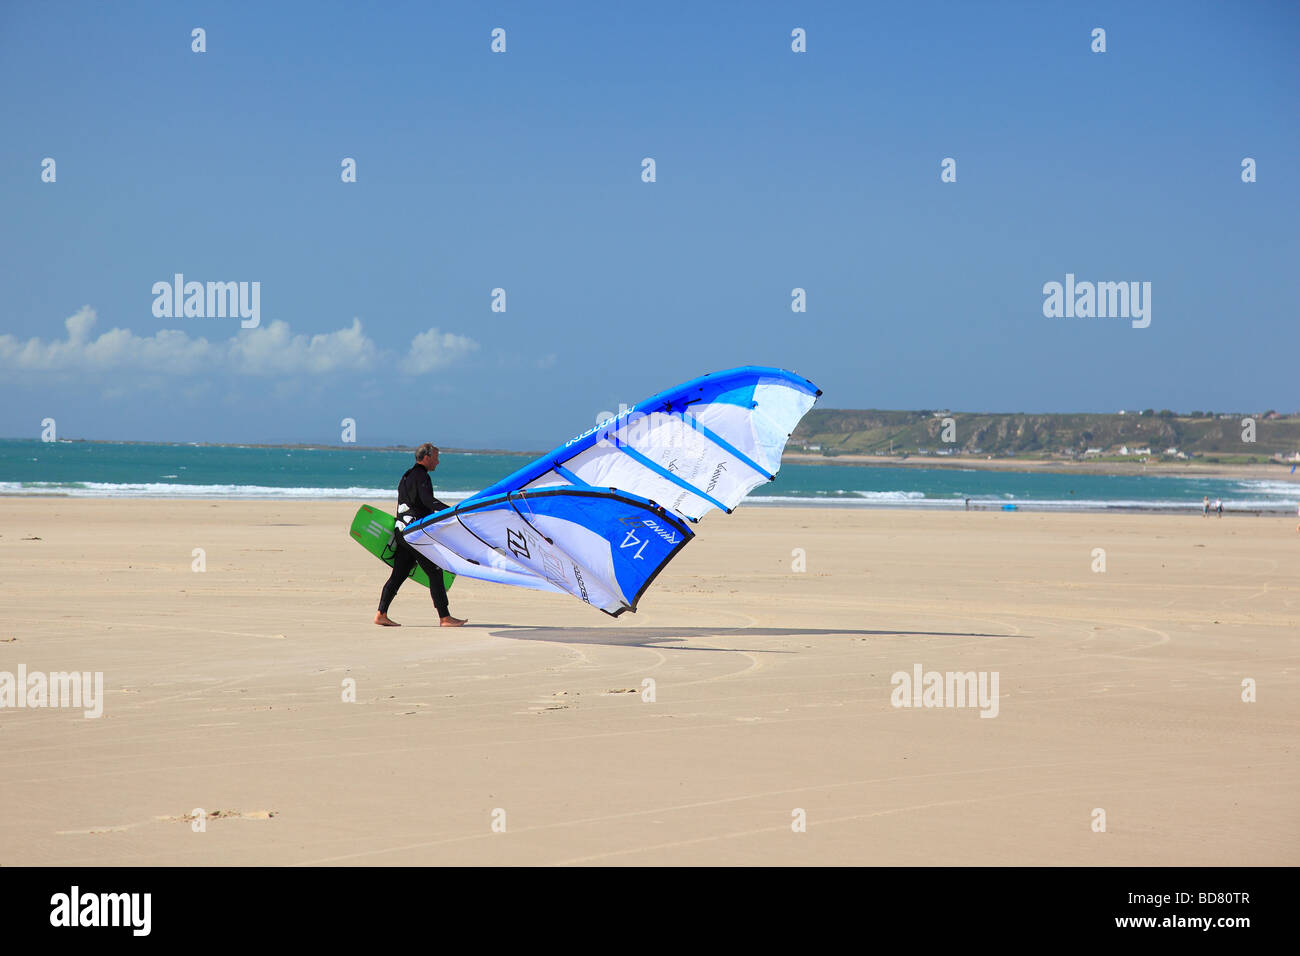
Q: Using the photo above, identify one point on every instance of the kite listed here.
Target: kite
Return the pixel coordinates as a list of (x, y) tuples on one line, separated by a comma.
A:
[(600, 516)]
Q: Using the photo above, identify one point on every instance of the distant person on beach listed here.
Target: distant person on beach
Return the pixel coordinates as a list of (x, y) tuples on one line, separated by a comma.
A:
[(1205, 507), (415, 500), (1218, 506)]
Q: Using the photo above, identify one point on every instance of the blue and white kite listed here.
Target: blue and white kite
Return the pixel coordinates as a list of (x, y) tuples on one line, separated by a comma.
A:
[(601, 515)]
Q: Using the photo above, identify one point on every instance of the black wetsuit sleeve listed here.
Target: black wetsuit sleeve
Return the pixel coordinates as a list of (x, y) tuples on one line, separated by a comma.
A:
[(424, 488)]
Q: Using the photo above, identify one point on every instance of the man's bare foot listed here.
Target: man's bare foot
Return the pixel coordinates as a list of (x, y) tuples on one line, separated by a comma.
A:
[(384, 620), (450, 621)]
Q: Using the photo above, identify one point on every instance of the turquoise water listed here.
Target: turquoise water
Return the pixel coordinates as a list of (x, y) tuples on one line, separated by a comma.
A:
[(158, 470)]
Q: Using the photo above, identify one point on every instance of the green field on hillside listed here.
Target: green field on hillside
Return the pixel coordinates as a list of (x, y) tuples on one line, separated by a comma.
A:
[(833, 431)]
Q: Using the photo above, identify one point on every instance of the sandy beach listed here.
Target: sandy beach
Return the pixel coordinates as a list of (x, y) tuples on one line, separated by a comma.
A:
[(1117, 690)]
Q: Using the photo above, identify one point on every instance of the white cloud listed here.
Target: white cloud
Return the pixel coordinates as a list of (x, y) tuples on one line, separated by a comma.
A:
[(271, 350), (434, 349), (165, 351), (274, 350)]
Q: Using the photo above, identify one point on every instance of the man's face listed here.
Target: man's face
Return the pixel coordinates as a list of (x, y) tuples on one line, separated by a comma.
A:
[(430, 461)]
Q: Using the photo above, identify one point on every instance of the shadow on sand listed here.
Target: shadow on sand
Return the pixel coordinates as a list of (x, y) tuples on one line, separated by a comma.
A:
[(659, 636)]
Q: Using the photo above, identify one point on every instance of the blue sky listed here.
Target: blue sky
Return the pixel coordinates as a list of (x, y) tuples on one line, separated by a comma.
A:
[(522, 170)]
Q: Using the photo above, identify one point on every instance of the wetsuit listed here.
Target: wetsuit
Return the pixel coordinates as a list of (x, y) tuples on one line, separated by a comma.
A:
[(415, 500)]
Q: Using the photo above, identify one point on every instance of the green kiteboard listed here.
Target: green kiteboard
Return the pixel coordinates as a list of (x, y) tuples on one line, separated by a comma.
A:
[(373, 530)]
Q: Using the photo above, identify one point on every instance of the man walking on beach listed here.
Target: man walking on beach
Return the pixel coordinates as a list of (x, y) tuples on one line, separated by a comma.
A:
[(415, 500)]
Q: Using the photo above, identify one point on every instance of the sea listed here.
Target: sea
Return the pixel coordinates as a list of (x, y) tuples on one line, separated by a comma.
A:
[(156, 470)]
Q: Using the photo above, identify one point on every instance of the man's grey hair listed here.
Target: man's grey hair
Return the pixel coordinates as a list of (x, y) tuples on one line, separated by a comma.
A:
[(425, 450)]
